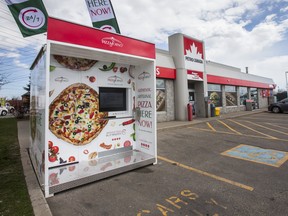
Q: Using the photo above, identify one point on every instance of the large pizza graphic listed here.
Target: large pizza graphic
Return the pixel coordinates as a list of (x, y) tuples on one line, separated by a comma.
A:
[(73, 63), (74, 115)]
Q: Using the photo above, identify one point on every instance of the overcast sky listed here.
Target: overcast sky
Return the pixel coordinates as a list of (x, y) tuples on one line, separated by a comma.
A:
[(239, 33)]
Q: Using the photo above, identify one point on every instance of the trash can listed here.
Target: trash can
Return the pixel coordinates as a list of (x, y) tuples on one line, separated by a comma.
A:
[(217, 111), (190, 111), (249, 105), (212, 110)]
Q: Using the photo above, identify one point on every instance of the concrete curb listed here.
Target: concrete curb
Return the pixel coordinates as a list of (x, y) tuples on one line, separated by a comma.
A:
[(39, 204)]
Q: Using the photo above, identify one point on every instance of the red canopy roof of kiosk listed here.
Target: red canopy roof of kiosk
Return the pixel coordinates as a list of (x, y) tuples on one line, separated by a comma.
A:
[(67, 32)]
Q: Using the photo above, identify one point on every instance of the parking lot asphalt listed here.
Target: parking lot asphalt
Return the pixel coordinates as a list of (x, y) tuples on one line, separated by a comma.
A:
[(233, 164)]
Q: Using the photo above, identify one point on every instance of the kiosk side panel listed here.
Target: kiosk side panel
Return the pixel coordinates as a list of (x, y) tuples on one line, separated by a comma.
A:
[(37, 116), (145, 94)]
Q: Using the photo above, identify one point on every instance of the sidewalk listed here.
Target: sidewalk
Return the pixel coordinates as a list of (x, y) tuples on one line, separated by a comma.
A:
[(38, 200)]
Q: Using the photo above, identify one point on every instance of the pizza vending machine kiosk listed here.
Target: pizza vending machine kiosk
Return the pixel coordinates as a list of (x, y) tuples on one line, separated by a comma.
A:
[(93, 105)]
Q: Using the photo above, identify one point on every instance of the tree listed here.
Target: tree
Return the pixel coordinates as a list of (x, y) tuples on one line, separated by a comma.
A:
[(26, 96), (3, 80), (28, 86)]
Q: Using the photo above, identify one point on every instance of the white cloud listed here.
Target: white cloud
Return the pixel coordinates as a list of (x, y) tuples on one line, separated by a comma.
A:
[(70, 10), (273, 67), (18, 63), (284, 9), (10, 55)]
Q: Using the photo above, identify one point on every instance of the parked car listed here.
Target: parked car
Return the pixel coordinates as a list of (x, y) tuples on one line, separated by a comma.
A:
[(3, 111), (280, 106), (10, 108)]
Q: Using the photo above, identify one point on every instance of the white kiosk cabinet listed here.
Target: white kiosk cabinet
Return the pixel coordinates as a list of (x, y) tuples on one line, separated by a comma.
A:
[(93, 111)]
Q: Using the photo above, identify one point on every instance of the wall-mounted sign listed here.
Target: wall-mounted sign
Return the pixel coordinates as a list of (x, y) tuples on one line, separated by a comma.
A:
[(194, 54), (166, 73), (266, 92), (194, 75)]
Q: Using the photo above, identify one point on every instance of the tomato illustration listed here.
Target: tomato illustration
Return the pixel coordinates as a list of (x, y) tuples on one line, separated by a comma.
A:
[(55, 149), (71, 168), (127, 159), (53, 179), (52, 158), (92, 79), (71, 159), (115, 69), (123, 69), (50, 144), (127, 143)]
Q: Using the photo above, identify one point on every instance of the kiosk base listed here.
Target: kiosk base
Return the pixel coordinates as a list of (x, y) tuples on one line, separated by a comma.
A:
[(63, 178)]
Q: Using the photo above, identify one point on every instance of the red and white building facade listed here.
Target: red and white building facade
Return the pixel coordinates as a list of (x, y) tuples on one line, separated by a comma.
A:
[(185, 76)]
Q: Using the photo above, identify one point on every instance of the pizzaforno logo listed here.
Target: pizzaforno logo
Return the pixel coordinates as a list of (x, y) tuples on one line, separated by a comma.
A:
[(32, 18), (112, 42)]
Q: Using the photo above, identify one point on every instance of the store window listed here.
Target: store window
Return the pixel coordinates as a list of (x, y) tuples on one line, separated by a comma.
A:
[(243, 95), (230, 95), (160, 95), (215, 94)]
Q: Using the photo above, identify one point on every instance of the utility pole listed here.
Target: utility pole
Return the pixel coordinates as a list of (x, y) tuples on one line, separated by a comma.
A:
[(286, 73)]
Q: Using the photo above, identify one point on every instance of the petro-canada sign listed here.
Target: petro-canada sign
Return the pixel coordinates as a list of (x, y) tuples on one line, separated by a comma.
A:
[(194, 54)]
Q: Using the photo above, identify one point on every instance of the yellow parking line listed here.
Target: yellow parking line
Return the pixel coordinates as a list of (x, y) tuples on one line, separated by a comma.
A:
[(245, 135), (252, 129), (207, 174), (267, 128), (210, 126), (277, 126), (224, 132), (229, 127), (260, 118)]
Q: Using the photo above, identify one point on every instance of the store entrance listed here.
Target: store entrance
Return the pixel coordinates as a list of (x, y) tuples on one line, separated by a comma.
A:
[(196, 97), (192, 99)]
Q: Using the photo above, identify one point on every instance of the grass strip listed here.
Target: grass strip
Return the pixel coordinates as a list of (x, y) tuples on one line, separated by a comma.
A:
[(14, 197)]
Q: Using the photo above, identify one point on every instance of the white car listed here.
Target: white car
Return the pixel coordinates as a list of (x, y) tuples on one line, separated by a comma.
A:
[(3, 111), (10, 108)]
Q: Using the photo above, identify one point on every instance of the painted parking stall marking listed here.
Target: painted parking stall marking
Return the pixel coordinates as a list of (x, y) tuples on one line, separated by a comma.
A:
[(230, 128), (267, 128), (183, 199), (258, 155), (210, 126), (244, 135), (272, 137), (237, 184), (278, 126)]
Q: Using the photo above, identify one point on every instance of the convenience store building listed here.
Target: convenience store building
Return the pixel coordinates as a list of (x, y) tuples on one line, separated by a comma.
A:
[(185, 76)]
